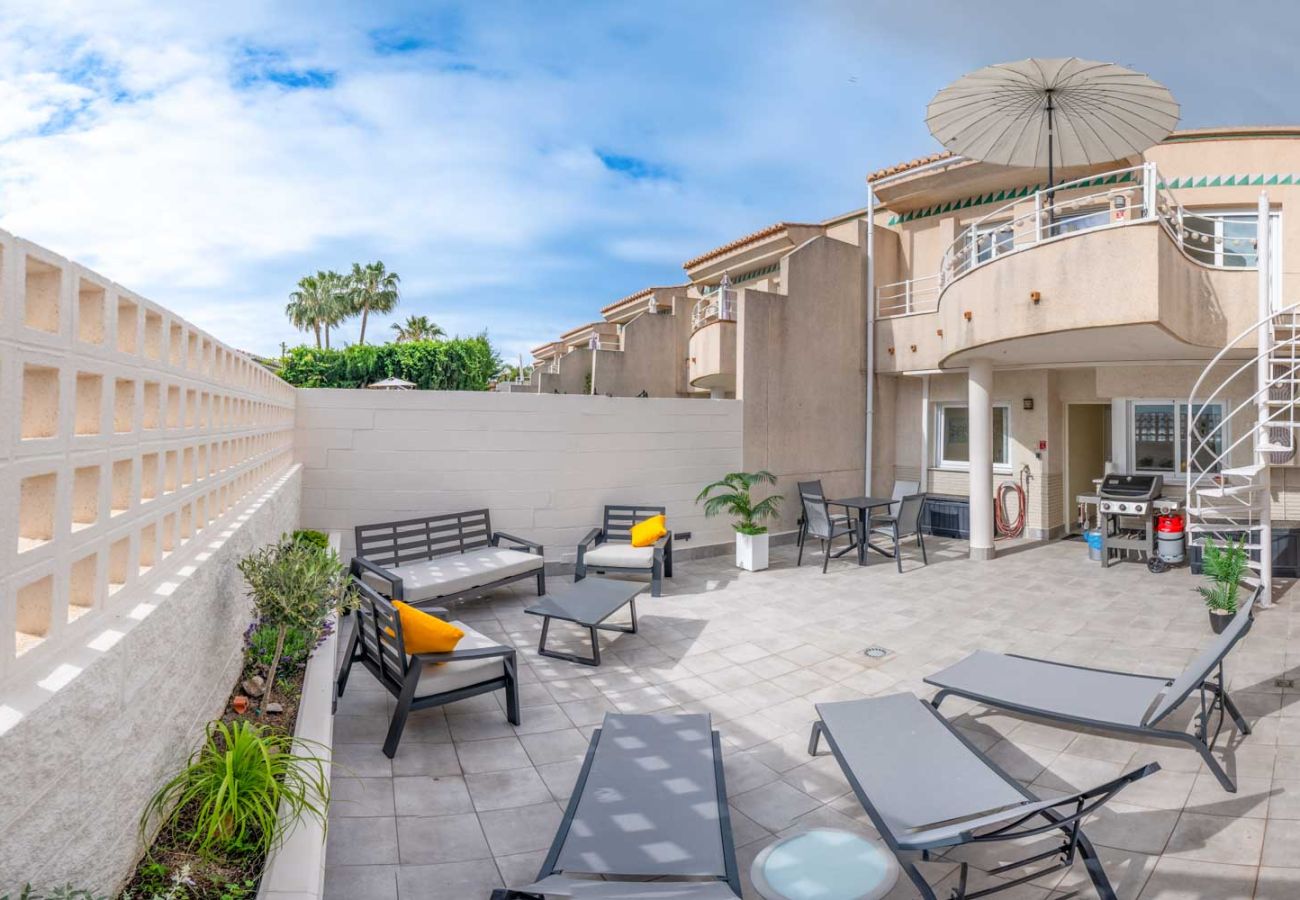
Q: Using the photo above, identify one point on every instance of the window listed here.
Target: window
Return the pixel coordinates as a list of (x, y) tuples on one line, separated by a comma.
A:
[(1158, 436), (992, 239), (1222, 239), (953, 429), (1078, 220)]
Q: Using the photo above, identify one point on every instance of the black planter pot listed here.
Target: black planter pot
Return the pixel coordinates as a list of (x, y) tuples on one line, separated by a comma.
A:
[(1219, 620)]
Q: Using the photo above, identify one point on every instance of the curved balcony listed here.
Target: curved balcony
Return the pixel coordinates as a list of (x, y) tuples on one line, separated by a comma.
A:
[(712, 362), (1122, 198), (1106, 294)]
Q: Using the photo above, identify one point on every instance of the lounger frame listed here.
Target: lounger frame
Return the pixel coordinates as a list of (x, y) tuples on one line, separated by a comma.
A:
[(1065, 815), (732, 877), (1213, 697)]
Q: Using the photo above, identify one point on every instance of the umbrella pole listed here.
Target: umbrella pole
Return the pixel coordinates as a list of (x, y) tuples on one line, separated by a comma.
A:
[(1051, 197)]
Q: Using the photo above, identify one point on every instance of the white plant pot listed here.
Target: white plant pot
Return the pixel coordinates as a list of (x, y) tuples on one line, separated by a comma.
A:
[(751, 551)]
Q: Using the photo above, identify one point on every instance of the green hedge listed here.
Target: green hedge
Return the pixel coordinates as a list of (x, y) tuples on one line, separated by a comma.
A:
[(459, 364)]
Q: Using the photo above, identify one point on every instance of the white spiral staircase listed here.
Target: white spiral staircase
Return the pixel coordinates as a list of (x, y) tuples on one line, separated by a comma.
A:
[(1228, 478)]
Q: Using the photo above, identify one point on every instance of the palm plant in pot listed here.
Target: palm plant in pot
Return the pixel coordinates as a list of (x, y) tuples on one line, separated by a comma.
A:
[(1224, 566), (732, 495)]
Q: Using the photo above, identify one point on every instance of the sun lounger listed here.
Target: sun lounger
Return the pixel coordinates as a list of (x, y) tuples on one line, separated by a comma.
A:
[(926, 788), (650, 802), (1105, 700)]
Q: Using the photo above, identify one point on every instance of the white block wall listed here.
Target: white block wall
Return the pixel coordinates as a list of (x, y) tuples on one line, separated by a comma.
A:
[(543, 464), (134, 452)]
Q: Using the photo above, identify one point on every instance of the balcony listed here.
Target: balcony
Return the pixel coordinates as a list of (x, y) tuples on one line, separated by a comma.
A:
[(712, 349), (1118, 199)]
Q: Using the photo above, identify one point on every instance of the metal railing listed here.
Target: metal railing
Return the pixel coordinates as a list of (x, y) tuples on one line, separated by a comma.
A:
[(1129, 196), (719, 306)]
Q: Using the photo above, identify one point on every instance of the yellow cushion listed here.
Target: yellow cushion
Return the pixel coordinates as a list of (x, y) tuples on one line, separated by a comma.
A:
[(644, 534), (423, 633)]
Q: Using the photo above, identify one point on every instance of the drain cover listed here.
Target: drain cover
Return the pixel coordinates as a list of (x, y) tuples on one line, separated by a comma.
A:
[(876, 652)]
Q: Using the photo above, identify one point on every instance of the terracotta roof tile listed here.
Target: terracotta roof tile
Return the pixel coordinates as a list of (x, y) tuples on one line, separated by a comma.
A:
[(910, 164), (644, 292), (770, 230)]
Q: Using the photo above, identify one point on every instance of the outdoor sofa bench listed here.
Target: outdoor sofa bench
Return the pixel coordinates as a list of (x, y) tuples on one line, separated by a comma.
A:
[(478, 665), (443, 558), (650, 802), (926, 787), (609, 547), (1105, 700)]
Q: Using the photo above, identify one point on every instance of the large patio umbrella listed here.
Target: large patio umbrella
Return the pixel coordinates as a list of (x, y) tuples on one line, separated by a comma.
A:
[(1057, 112), (391, 384)]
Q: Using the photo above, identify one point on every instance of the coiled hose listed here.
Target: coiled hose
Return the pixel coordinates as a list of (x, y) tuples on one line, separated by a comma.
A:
[(1006, 528)]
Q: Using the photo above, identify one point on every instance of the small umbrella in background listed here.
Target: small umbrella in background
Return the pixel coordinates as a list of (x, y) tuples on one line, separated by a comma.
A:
[(1053, 112), (391, 384)]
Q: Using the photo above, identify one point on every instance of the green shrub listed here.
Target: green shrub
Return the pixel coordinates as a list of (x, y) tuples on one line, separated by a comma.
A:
[(315, 538), (294, 586), (458, 364), (260, 641), (227, 798)]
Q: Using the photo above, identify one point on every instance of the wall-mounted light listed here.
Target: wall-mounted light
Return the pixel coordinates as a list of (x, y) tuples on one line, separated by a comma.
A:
[(1028, 402), (914, 348), (891, 351), (966, 315), (939, 331), (1034, 297)]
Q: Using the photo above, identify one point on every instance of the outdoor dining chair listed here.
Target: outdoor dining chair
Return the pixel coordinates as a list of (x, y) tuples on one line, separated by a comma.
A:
[(813, 489), (820, 524), (906, 523)]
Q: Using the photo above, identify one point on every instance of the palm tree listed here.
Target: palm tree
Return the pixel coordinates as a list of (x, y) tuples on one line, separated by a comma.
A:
[(306, 306), (338, 304), (417, 328), (373, 288), (731, 495)]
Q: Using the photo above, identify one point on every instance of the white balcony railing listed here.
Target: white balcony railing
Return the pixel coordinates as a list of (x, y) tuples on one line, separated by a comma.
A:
[(719, 306), (1130, 196)]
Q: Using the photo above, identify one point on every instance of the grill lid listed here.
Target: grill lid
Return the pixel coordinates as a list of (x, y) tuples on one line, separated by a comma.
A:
[(1116, 486)]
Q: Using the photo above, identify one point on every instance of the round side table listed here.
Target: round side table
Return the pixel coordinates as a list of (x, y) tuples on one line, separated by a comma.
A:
[(824, 864)]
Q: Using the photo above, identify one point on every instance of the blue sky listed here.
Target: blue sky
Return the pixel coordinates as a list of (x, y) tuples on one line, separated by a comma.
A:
[(519, 164)]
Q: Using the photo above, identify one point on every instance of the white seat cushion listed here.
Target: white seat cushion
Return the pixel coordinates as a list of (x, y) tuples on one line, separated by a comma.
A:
[(620, 555), (445, 575), (452, 675)]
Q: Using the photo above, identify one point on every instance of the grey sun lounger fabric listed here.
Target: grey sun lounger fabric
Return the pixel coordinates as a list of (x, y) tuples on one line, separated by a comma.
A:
[(649, 805), (917, 774), (926, 787), (587, 889), (650, 802), (1039, 684), (1115, 701)]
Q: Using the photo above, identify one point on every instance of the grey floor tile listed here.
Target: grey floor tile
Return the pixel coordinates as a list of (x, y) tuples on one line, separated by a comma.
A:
[(448, 881), (492, 756), (360, 842), (506, 790), (354, 882), (351, 797), (440, 839), (431, 795), (511, 831)]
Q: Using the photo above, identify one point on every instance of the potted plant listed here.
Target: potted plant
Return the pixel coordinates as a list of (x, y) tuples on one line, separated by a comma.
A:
[(1224, 566), (732, 495)]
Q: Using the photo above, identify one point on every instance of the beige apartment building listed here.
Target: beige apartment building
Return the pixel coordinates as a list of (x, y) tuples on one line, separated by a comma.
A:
[(1068, 325)]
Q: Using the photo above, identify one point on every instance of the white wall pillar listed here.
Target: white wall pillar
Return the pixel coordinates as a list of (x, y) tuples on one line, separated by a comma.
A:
[(980, 411)]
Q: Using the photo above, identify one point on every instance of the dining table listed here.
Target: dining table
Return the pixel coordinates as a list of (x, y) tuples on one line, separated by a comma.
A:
[(863, 506)]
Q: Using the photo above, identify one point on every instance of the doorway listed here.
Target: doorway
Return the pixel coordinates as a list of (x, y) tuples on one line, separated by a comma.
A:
[(1087, 451)]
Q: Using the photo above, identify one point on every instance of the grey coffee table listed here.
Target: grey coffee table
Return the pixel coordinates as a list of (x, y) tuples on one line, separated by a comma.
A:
[(587, 603)]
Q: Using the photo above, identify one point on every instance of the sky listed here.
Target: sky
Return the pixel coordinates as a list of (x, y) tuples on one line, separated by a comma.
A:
[(520, 165)]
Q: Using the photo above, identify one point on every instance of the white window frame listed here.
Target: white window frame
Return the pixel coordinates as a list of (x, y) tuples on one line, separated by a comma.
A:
[(962, 465), (1179, 474)]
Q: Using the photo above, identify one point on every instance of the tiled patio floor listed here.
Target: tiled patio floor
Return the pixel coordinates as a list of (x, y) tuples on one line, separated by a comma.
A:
[(471, 803)]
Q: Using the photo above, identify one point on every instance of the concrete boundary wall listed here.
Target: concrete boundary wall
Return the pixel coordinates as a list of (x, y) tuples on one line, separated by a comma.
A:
[(543, 464), (120, 716)]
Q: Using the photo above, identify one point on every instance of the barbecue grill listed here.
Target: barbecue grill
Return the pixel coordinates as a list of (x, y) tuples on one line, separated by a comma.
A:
[(1127, 504)]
